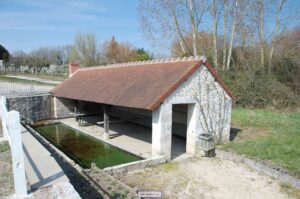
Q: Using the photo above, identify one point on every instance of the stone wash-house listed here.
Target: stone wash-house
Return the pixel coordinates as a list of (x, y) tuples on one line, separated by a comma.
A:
[(154, 89)]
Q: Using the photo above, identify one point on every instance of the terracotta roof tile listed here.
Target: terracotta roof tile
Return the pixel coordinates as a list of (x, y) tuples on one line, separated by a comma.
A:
[(139, 85)]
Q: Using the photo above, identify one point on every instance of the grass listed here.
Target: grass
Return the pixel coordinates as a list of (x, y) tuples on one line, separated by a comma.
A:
[(291, 191), (57, 77), (4, 147), (6, 178), (281, 143), (23, 81), (170, 166)]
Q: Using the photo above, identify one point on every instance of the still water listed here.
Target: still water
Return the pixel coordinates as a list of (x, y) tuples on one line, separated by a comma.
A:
[(84, 149)]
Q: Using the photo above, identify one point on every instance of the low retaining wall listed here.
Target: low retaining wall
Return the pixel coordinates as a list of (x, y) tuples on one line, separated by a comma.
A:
[(261, 167), (109, 183), (132, 166), (34, 108)]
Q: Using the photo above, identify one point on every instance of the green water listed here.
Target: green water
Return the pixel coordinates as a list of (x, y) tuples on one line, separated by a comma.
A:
[(84, 149)]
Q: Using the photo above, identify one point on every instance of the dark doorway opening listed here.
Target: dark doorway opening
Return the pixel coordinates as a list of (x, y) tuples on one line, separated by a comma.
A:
[(179, 129)]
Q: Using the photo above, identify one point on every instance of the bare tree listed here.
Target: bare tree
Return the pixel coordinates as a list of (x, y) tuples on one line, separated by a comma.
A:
[(85, 49), (262, 32), (215, 34), (166, 21), (232, 33), (225, 34), (183, 44), (278, 11), (194, 26)]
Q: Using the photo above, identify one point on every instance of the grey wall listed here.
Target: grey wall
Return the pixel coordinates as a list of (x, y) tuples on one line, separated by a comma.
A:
[(62, 107), (32, 107), (213, 104)]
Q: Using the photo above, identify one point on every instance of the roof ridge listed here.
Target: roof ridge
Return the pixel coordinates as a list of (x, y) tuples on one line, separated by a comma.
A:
[(154, 61)]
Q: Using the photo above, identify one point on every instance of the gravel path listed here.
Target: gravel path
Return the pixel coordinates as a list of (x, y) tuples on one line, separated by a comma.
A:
[(206, 178)]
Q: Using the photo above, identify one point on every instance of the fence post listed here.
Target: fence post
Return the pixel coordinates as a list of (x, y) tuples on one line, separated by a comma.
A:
[(14, 129), (3, 115)]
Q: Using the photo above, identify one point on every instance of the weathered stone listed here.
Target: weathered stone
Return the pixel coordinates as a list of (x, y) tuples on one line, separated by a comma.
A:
[(33, 108), (209, 111)]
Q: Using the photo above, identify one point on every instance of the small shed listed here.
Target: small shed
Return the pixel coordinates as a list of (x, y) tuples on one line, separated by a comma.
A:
[(184, 90)]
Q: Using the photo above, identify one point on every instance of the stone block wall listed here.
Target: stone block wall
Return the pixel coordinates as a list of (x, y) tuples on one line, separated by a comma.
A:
[(34, 108)]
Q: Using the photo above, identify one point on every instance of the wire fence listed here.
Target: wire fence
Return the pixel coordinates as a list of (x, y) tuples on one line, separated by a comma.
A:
[(19, 89)]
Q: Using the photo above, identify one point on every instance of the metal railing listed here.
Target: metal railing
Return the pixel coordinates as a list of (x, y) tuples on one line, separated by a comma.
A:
[(8, 88)]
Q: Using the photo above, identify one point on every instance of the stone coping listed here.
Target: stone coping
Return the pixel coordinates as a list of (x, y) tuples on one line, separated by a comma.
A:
[(132, 166), (273, 172)]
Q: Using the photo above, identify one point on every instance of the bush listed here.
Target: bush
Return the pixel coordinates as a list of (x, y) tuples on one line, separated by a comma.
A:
[(258, 90)]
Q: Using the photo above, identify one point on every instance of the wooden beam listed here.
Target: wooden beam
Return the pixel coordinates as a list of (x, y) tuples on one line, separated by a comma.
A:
[(117, 121)]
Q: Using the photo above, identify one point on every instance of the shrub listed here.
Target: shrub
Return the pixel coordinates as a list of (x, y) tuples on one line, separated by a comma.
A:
[(258, 90)]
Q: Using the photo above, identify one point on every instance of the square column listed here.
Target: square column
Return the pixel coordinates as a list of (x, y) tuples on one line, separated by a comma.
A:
[(106, 123), (192, 126), (162, 131)]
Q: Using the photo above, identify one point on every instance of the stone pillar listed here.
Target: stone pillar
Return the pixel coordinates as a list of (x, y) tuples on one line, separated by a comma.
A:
[(192, 126), (55, 107), (106, 123), (162, 131)]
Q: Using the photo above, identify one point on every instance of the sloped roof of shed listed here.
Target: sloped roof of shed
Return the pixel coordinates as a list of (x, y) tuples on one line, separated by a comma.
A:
[(143, 85)]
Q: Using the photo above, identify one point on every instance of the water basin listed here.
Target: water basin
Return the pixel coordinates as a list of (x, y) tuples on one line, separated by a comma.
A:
[(84, 149)]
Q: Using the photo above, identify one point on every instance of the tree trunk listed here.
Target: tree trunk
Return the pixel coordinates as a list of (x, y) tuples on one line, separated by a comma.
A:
[(215, 34), (280, 5), (182, 47), (232, 34), (194, 27), (183, 43), (225, 35), (262, 33)]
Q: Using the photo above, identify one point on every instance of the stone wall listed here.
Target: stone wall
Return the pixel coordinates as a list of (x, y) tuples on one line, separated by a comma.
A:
[(62, 108), (34, 108), (213, 104), (208, 111)]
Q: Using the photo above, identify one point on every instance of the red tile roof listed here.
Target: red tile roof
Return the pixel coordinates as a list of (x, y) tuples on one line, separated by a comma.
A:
[(144, 85)]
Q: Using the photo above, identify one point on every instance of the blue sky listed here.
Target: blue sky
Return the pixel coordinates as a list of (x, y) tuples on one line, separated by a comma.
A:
[(29, 24)]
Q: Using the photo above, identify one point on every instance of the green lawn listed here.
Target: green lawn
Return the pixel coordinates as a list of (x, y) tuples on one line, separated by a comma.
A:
[(269, 136), (6, 173), (56, 77), (4, 147), (23, 81)]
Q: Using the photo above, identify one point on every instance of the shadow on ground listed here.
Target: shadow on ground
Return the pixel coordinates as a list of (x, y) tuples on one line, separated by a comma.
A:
[(233, 133)]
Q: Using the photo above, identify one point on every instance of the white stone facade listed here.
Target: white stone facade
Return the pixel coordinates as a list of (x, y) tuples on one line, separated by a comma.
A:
[(209, 111)]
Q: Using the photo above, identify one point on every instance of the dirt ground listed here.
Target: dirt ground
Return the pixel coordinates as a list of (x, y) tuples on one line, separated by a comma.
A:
[(206, 178), (6, 179)]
